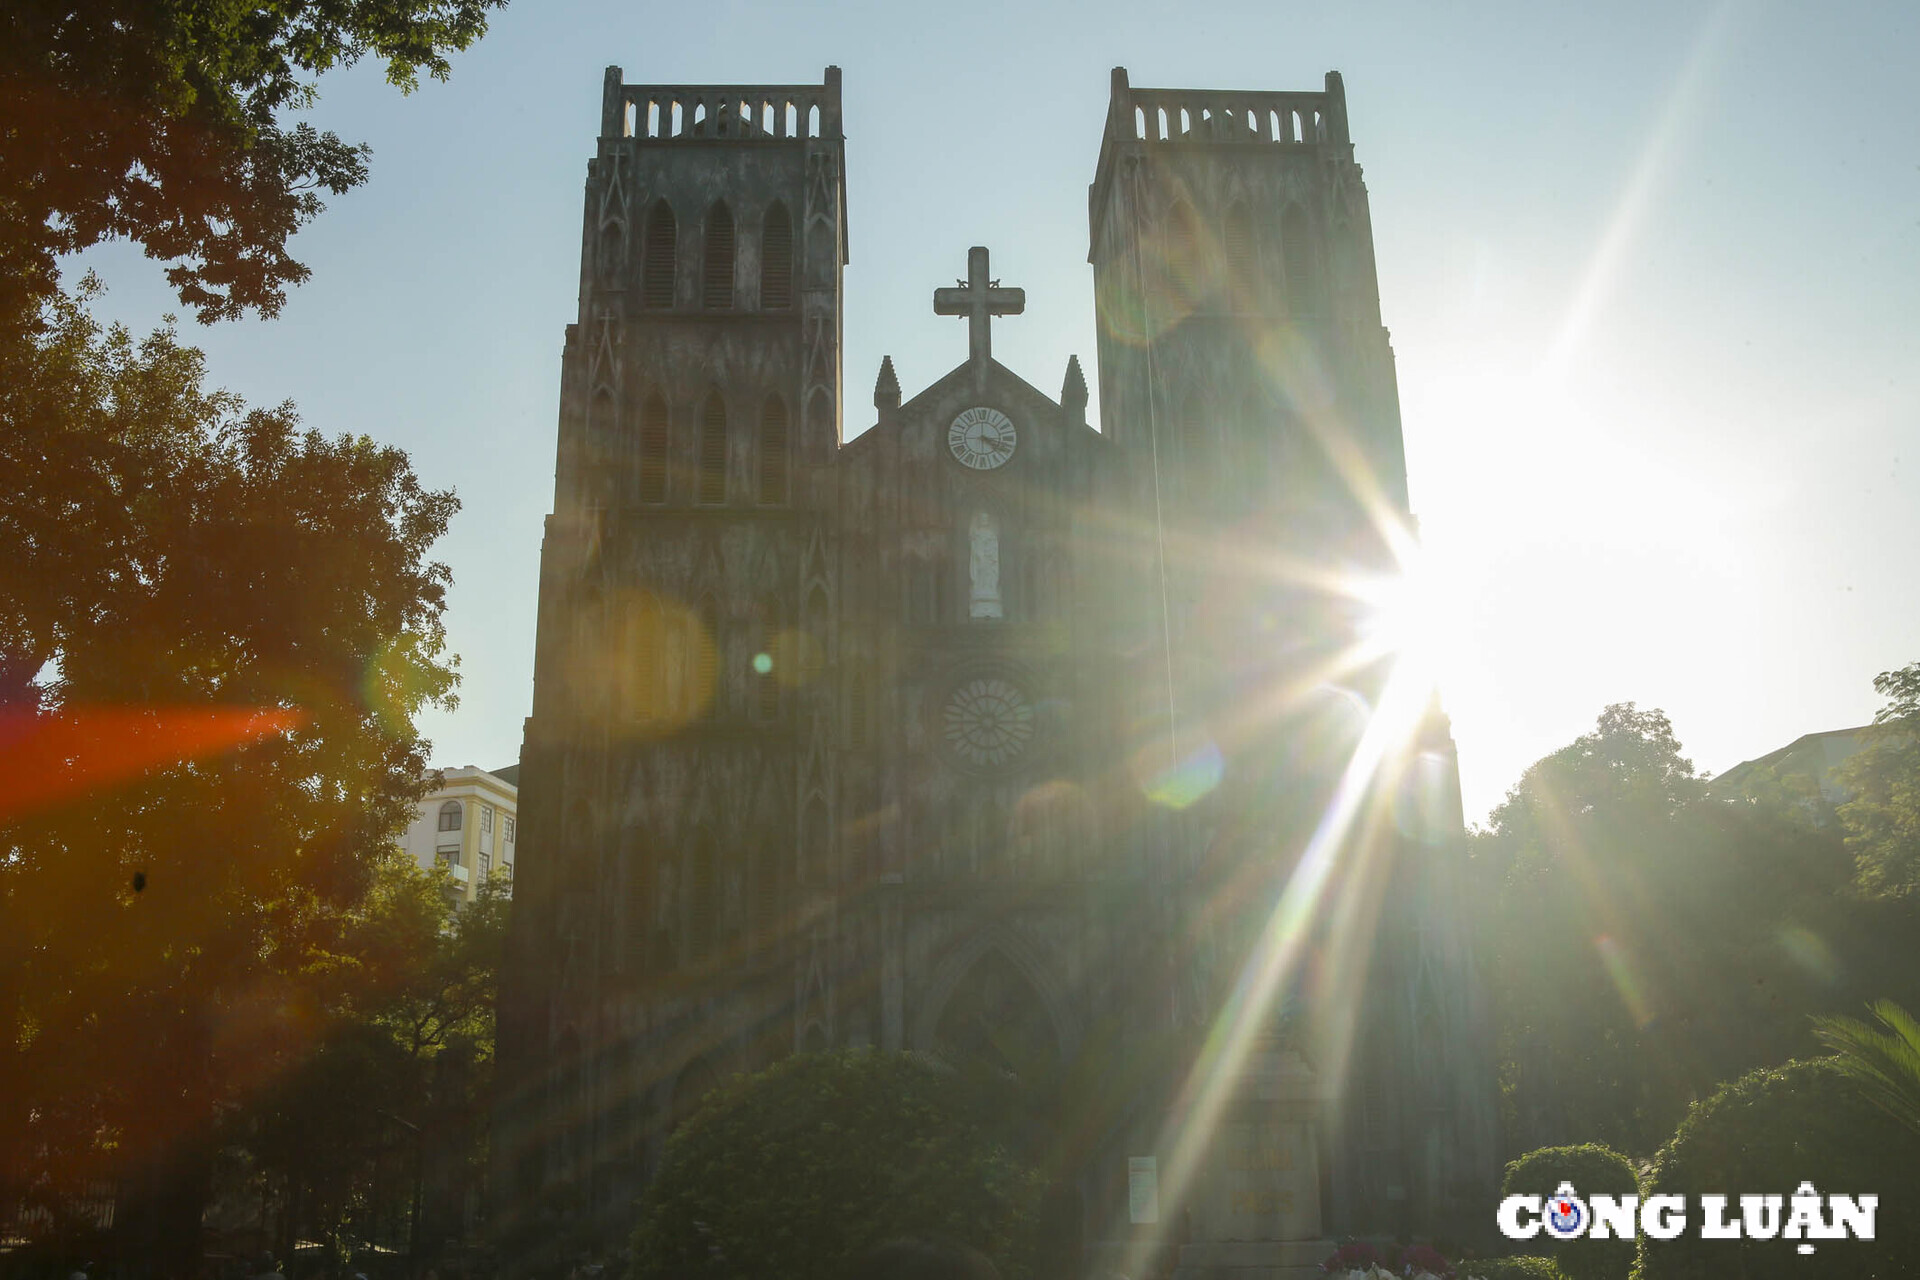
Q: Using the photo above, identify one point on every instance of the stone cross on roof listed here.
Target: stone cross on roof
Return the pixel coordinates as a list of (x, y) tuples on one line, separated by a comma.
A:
[(979, 300)]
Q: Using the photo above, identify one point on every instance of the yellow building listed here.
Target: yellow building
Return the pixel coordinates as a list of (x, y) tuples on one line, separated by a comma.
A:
[(466, 826)]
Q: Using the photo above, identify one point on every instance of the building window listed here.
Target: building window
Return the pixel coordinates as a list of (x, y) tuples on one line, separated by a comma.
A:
[(656, 284), (776, 261), (1183, 253), (1296, 255), (767, 687), (1236, 243), (653, 450), (450, 816), (713, 451), (446, 857), (773, 451), (717, 278), (509, 830), (486, 819), (486, 865)]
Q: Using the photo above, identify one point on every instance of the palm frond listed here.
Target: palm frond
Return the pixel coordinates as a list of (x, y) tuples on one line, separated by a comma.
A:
[(1885, 1064)]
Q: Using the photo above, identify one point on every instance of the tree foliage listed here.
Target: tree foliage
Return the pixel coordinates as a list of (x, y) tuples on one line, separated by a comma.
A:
[(163, 121), (802, 1168), (170, 548), (1766, 1133), (1882, 813), (402, 1062), (1645, 941)]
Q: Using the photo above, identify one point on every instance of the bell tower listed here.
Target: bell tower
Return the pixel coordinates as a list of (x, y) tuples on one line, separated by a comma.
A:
[(678, 764), (1247, 379), (1240, 334)]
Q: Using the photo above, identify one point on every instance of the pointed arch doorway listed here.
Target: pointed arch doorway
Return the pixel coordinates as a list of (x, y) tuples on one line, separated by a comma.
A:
[(995, 1017)]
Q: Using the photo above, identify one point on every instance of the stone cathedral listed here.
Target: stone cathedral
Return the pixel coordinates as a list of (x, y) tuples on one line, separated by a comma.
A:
[(982, 729)]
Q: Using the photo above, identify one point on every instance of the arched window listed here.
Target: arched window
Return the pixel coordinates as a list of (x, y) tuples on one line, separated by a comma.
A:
[(1236, 243), (776, 260), (770, 892), (653, 450), (656, 285), (814, 842), (813, 653), (857, 712), (450, 816), (713, 451), (602, 427), (1256, 444), (716, 276), (1296, 253), (765, 659), (1183, 252), (648, 673), (773, 451), (706, 654), (703, 903)]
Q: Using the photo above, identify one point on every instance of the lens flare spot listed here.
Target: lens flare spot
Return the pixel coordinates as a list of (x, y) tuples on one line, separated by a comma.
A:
[(763, 663), (1811, 952), (1186, 783)]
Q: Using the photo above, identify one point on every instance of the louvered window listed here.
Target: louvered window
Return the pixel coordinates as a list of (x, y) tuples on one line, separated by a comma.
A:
[(713, 452), (706, 649), (1237, 243), (773, 451), (1296, 251), (657, 276), (653, 450), (717, 276), (857, 713), (767, 679), (776, 261), (1183, 253)]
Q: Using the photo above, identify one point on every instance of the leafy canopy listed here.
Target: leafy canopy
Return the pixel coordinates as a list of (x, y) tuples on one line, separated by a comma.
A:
[(1882, 815), (162, 121), (176, 549), (1643, 940)]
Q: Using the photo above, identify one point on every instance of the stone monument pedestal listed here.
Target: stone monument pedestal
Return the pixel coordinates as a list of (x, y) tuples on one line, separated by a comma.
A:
[(1255, 1205)]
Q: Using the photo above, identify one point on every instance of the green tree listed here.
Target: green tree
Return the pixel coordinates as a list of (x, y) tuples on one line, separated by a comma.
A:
[(163, 121), (401, 1065), (802, 1168), (166, 943), (1882, 813), (1644, 941), (1883, 1064)]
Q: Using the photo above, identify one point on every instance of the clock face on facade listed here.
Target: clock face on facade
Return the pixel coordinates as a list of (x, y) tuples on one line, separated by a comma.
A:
[(982, 438), (988, 722)]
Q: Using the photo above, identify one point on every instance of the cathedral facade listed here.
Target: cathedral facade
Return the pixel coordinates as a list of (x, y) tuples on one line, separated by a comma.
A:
[(994, 732)]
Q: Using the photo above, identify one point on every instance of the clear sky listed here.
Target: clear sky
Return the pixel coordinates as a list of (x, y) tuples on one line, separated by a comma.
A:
[(1652, 273)]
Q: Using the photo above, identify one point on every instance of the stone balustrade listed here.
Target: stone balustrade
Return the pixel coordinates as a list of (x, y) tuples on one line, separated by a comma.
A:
[(653, 113)]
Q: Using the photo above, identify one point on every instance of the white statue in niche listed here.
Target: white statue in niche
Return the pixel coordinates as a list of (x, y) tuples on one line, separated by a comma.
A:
[(983, 564)]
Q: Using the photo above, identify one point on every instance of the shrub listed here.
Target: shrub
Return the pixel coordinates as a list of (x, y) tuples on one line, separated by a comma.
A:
[(1766, 1133), (799, 1170), (1589, 1168)]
